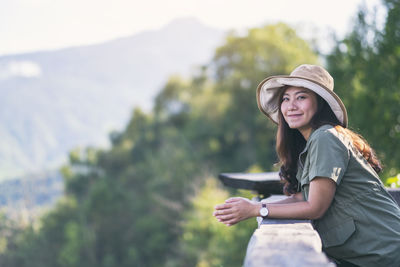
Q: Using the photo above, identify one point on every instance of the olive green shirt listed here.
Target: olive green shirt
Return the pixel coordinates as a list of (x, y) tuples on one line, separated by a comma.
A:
[(362, 224)]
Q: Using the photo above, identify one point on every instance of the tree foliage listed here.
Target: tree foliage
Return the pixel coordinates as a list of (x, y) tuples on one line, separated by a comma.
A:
[(366, 65)]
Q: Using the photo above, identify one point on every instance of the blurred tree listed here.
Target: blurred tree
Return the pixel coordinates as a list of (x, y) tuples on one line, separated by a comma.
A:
[(365, 66), (239, 66), (206, 242), (124, 206)]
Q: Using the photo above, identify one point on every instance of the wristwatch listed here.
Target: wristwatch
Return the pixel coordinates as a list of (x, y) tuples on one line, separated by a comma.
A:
[(264, 210)]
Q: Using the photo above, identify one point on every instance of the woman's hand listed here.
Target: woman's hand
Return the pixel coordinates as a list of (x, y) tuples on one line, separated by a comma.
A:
[(321, 194), (236, 209)]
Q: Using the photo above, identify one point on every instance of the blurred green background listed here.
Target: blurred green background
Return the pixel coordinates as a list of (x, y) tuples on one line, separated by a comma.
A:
[(148, 200)]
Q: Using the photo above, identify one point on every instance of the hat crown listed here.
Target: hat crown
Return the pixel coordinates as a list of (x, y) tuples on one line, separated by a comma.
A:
[(314, 73)]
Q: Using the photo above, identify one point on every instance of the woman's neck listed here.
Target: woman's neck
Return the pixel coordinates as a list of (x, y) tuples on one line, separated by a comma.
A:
[(306, 132)]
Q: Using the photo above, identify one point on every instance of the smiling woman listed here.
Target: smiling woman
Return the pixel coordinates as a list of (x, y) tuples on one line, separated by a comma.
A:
[(329, 171), (298, 107)]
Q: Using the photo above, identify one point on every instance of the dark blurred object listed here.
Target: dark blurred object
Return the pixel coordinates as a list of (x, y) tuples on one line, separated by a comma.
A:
[(269, 183), (265, 183)]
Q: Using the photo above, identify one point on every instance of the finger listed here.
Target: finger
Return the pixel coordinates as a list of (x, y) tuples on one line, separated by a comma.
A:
[(232, 199), (222, 212), (224, 218), (218, 207), (217, 213), (231, 222), (223, 206), (219, 216)]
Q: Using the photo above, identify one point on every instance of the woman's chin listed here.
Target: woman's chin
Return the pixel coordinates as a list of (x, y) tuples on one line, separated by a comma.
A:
[(294, 125), (299, 126)]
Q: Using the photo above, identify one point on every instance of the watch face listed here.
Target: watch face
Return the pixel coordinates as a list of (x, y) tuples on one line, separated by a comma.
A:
[(264, 212)]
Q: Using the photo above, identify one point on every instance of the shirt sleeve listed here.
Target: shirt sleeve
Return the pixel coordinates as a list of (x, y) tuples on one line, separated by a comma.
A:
[(329, 157)]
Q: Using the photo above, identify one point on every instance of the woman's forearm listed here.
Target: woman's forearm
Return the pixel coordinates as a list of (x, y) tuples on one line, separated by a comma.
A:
[(320, 196), (238, 209), (292, 207), (294, 210), (290, 199), (291, 210)]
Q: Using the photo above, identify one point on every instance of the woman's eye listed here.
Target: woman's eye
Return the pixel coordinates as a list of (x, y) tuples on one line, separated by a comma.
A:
[(301, 97), (285, 99)]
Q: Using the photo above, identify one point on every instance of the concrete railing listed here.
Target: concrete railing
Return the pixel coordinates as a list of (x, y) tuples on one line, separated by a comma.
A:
[(285, 243)]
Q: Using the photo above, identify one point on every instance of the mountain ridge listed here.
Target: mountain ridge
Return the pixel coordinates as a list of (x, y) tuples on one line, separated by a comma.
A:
[(56, 100)]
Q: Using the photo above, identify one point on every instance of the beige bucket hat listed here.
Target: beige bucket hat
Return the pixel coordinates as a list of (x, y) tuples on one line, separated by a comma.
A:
[(312, 77)]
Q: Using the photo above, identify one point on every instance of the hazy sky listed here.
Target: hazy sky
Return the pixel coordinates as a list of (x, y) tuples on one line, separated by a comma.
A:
[(30, 25)]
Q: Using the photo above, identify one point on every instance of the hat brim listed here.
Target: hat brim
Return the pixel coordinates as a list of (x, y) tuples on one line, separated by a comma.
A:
[(268, 92)]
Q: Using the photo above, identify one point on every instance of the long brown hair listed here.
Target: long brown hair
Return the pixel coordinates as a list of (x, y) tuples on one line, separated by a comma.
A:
[(290, 143)]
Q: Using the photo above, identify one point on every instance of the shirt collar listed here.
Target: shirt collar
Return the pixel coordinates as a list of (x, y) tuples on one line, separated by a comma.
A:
[(314, 133)]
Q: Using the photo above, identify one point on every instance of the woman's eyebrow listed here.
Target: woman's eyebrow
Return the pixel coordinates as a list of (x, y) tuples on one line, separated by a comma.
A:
[(299, 92)]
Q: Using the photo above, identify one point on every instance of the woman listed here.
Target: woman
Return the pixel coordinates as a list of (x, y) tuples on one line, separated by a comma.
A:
[(330, 173)]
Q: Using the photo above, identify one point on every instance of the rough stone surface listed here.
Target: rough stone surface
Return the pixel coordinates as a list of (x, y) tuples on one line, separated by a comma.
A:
[(286, 245)]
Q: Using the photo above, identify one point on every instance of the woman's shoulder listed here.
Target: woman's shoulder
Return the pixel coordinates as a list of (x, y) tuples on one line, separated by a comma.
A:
[(328, 135), (326, 131)]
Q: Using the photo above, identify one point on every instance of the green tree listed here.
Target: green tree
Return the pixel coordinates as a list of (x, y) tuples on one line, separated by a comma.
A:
[(365, 66), (240, 65), (147, 201), (206, 242)]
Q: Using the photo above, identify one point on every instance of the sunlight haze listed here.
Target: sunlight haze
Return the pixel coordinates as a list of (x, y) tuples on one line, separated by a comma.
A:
[(29, 25)]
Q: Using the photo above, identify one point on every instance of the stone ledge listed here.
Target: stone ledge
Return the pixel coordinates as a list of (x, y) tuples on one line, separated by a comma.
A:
[(286, 245)]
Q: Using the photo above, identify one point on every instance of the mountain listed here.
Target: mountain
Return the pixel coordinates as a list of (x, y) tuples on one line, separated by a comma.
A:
[(53, 101)]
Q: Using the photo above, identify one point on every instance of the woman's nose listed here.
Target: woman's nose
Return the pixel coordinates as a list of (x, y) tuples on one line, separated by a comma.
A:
[(292, 105)]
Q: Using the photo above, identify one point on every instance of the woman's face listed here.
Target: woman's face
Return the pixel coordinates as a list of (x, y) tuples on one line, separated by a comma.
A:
[(298, 107)]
